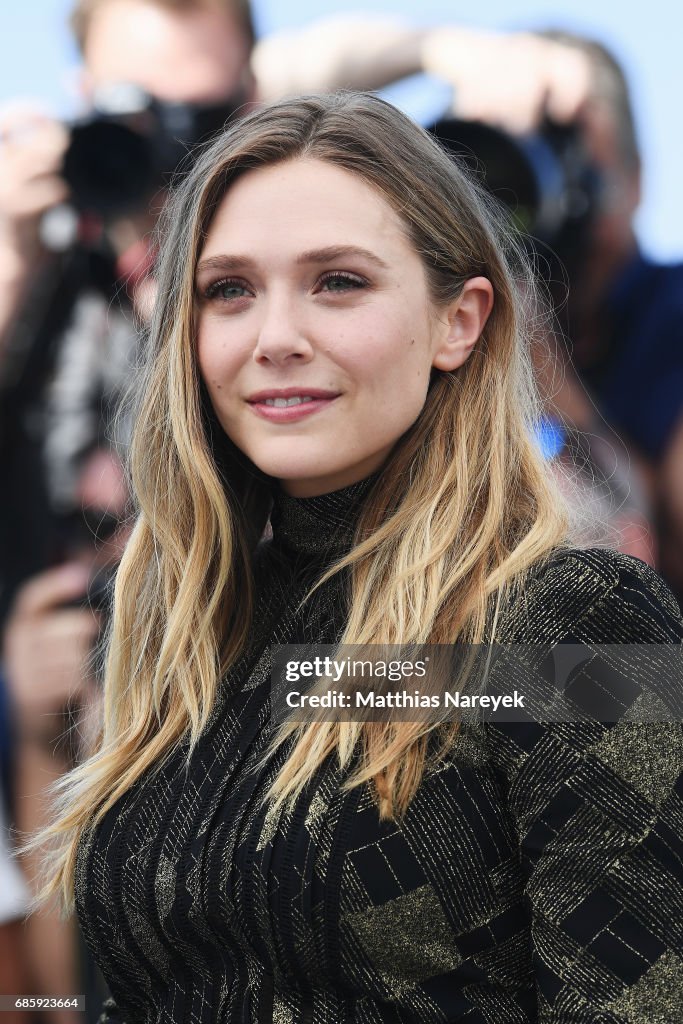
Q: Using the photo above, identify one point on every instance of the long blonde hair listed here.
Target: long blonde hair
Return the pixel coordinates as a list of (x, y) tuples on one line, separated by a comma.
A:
[(480, 507)]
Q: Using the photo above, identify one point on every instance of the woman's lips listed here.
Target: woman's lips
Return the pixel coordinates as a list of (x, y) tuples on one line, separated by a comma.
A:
[(291, 413)]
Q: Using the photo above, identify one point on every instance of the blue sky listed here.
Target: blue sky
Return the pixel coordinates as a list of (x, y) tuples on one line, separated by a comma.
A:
[(37, 60)]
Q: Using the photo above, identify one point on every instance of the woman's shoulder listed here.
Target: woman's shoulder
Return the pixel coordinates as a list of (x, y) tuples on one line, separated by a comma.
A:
[(590, 595)]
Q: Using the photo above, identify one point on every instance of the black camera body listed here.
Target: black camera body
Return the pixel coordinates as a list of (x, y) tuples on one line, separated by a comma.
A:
[(546, 180), (130, 145)]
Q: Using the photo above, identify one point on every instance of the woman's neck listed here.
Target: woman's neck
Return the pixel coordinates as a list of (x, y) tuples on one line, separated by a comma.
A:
[(320, 523)]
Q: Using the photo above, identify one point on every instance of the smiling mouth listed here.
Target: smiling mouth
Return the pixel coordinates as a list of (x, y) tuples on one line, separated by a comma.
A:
[(290, 408)]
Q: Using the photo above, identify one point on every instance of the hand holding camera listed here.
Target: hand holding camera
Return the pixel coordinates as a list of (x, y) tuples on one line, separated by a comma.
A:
[(511, 80), (32, 148)]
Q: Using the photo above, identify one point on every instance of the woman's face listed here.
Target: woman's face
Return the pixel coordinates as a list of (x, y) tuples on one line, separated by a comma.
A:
[(316, 331)]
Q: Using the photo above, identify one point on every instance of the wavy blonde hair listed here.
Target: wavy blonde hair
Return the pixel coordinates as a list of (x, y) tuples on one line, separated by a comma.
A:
[(480, 507)]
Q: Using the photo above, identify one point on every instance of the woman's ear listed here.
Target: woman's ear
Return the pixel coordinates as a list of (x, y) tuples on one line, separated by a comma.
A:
[(465, 319)]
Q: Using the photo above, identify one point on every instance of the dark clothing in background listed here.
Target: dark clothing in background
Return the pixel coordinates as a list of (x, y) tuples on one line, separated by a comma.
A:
[(60, 403), (94, 366), (538, 874), (638, 378)]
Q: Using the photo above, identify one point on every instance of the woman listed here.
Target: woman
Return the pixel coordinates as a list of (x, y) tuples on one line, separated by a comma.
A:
[(339, 347)]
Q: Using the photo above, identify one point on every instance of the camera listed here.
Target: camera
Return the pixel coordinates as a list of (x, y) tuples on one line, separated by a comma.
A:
[(131, 143), (545, 179)]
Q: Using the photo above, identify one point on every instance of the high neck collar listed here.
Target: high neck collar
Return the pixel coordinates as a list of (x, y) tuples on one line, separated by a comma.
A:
[(324, 524)]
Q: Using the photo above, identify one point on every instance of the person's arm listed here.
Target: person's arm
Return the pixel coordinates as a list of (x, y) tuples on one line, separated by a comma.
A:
[(510, 79), (32, 147), (47, 647), (338, 52)]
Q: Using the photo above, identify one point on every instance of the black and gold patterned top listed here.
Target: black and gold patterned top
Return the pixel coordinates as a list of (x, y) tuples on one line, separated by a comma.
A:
[(537, 876)]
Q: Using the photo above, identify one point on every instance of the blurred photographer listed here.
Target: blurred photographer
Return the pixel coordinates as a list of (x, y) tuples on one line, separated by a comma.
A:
[(624, 313)]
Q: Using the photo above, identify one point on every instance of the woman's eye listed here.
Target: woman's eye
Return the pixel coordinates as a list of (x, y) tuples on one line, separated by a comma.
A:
[(341, 282), (227, 290)]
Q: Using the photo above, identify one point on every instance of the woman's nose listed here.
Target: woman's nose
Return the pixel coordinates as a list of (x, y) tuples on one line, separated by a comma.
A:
[(281, 335)]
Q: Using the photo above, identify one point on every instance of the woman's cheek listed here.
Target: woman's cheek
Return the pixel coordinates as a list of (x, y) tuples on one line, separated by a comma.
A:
[(209, 352)]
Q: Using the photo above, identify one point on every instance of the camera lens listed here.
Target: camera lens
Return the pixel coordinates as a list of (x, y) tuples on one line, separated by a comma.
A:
[(545, 179), (499, 161), (109, 167)]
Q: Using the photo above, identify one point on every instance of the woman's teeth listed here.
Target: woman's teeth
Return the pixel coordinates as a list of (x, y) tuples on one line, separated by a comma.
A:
[(282, 403)]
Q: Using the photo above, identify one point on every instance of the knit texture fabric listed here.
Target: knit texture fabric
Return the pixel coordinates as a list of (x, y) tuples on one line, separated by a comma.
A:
[(537, 876)]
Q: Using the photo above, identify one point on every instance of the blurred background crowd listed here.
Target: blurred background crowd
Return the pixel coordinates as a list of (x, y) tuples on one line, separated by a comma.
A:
[(542, 112)]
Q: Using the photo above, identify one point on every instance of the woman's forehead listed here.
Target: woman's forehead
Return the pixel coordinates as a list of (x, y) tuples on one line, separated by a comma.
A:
[(303, 205)]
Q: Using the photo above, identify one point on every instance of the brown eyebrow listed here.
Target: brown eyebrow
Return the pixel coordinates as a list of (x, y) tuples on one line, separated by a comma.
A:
[(340, 252), (223, 263), (326, 255)]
